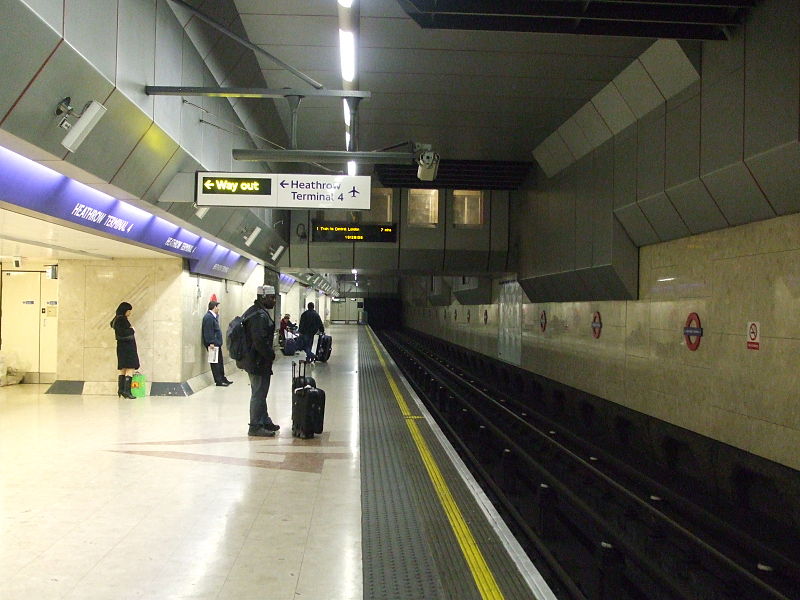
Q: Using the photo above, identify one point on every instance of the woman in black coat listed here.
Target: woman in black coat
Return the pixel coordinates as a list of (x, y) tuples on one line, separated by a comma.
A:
[(127, 355)]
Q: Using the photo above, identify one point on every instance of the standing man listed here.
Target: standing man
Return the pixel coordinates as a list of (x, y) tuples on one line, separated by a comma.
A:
[(310, 324), (259, 330), (212, 338)]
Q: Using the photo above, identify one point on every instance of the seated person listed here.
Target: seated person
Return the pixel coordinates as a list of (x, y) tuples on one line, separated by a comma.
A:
[(285, 325)]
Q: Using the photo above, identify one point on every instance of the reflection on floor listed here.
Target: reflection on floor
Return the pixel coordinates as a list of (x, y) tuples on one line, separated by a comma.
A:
[(167, 498)]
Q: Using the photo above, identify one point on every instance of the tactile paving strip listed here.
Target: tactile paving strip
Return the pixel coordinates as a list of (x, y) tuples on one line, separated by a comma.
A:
[(398, 504), (409, 549)]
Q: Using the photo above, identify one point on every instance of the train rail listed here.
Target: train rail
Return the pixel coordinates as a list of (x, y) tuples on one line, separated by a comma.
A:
[(595, 524)]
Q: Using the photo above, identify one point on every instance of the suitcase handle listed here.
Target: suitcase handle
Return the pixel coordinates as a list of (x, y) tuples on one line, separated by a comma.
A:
[(305, 367)]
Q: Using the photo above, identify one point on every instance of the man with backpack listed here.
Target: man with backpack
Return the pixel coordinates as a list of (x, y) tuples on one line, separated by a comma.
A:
[(257, 358)]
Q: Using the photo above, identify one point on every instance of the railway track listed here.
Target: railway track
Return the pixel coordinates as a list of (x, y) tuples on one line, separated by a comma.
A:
[(597, 526)]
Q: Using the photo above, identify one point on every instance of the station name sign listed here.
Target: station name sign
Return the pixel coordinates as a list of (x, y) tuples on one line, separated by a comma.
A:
[(290, 191), (327, 231)]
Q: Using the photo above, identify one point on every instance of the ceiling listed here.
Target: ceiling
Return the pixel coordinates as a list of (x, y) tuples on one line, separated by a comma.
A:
[(36, 240), (677, 19), (472, 95)]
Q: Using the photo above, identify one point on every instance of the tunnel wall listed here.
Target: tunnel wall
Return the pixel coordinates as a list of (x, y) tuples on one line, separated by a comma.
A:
[(724, 390)]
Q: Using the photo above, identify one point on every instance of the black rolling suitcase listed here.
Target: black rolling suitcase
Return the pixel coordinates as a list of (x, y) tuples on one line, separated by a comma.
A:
[(290, 346), (301, 380), (324, 347), (308, 405)]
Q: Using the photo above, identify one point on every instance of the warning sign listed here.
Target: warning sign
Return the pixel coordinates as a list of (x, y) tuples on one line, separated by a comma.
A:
[(753, 335)]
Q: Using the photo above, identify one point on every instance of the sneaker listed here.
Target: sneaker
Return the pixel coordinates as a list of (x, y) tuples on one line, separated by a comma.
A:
[(272, 427), (260, 432)]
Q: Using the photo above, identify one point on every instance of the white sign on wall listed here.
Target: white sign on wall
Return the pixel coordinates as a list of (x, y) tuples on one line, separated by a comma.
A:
[(753, 335), (285, 191)]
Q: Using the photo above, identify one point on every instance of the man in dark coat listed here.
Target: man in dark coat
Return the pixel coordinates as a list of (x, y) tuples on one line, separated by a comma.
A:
[(310, 324), (259, 328), (212, 338)]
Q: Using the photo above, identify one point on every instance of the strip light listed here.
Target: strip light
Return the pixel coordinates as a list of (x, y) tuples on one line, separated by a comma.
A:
[(347, 49)]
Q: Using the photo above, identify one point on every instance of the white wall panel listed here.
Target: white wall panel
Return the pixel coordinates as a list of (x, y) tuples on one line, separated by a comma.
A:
[(136, 50), (91, 27)]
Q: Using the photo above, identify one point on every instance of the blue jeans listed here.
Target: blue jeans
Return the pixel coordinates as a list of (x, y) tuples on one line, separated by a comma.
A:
[(307, 342), (259, 385)]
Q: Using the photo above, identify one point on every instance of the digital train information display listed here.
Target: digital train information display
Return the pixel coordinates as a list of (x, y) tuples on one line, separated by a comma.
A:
[(327, 231)]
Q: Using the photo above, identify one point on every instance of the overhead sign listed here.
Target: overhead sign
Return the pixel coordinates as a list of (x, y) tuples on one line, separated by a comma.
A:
[(274, 190), (327, 231)]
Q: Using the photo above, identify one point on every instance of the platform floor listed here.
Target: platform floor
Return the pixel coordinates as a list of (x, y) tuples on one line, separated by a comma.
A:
[(167, 498)]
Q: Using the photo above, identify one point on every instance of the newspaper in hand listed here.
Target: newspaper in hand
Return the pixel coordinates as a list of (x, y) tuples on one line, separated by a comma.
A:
[(213, 354)]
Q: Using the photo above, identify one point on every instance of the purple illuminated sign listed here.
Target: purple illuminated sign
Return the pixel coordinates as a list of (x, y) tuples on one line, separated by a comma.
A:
[(32, 186)]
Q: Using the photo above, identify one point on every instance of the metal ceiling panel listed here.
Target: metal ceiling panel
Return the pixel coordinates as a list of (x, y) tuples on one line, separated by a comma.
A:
[(636, 225), (638, 89), (136, 51), (20, 24), (114, 137), (669, 67), (168, 64), (663, 217), (686, 20), (777, 172), (91, 28), (737, 194), (594, 128), (65, 73), (696, 207), (179, 163), (613, 109), (573, 137), (146, 161)]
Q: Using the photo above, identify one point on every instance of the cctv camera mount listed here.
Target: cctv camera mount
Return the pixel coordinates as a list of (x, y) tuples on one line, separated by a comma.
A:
[(85, 121)]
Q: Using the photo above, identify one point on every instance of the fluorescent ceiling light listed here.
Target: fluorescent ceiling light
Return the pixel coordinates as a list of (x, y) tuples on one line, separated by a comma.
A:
[(354, 271), (346, 3), (352, 168), (201, 212), (347, 50), (346, 112), (347, 140), (252, 237), (667, 279)]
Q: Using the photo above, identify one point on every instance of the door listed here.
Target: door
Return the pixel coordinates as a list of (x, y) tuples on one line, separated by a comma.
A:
[(30, 324)]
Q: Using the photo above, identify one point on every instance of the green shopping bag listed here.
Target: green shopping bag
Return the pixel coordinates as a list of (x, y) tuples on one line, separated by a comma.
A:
[(138, 385)]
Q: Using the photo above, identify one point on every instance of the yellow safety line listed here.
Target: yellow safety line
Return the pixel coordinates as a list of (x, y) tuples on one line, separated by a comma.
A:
[(481, 573)]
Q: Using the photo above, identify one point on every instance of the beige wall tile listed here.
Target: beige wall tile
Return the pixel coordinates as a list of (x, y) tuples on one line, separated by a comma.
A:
[(742, 397)]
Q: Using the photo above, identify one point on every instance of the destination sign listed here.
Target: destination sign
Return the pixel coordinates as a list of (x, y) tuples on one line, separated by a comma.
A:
[(289, 191), (236, 185), (326, 231)]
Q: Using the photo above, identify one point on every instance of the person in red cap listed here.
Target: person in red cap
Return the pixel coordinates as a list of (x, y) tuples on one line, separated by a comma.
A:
[(259, 328)]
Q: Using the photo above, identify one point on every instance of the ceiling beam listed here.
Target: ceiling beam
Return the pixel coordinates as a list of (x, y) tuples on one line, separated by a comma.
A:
[(243, 92)]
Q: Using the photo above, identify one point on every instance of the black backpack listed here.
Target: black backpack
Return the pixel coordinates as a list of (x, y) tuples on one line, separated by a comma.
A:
[(238, 342)]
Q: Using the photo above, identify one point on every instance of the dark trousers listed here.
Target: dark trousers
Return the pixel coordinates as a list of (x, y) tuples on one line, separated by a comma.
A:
[(218, 368), (307, 342), (259, 388)]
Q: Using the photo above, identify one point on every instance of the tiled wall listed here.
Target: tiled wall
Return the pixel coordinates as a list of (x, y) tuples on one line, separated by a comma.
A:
[(89, 293), (746, 398), (168, 307), (196, 292)]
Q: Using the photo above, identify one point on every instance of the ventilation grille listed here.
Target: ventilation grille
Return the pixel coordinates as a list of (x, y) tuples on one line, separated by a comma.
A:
[(459, 174)]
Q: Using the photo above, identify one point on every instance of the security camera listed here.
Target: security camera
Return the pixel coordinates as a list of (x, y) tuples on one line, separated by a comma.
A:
[(428, 162), (87, 119)]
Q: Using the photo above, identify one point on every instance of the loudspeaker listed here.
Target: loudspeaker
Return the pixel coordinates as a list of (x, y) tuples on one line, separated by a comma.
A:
[(17, 262)]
